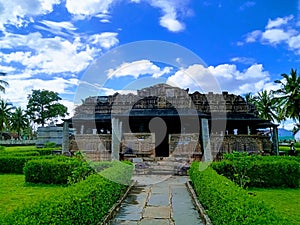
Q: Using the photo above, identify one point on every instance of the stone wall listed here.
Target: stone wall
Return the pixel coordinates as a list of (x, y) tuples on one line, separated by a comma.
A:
[(256, 144), (184, 145), (139, 144), (97, 147)]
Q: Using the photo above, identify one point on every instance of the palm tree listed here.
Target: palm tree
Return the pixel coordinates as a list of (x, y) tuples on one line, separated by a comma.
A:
[(296, 128), (266, 104), (289, 94), (5, 113), (249, 98), (3, 83), (19, 121)]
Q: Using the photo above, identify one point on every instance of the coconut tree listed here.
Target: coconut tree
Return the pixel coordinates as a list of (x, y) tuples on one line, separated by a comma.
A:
[(266, 105), (3, 83), (19, 121), (289, 94), (296, 128), (249, 98), (5, 113)]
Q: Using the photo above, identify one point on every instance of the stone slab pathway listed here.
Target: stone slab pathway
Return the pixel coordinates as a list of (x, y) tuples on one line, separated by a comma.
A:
[(165, 201)]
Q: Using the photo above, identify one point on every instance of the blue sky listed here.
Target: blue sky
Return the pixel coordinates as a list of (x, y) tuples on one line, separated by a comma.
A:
[(49, 44)]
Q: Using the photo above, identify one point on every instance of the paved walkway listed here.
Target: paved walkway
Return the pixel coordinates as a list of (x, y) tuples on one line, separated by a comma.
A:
[(152, 202)]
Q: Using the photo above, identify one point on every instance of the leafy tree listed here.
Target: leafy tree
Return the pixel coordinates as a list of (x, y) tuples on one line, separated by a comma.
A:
[(289, 94), (43, 106), (3, 83), (266, 105), (5, 113), (249, 98), (19, 121)]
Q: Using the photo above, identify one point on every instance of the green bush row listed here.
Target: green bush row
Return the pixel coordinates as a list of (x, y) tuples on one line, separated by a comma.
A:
[(226, 203), (59, 170), (21, 153), (261, 171), (239, 155), (86, 202), (27, 152), (15, 164)]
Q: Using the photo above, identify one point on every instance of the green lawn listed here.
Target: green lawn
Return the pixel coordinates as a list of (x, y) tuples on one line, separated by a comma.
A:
[(285, 201), (14, 192)]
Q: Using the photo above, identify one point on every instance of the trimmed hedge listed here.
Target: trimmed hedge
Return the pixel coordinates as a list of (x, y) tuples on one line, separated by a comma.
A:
[(86, 202), (226, 203), (56, 170), (15, 164), (20, 151), (261, 171), (120, 172)]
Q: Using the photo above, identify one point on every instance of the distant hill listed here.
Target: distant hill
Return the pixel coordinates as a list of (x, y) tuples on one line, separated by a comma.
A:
[(284, 134)]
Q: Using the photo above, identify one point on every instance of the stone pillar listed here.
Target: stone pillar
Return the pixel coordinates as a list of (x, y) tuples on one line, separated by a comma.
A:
[(206, 141), (116, 138), (66, 141), (275, 141)]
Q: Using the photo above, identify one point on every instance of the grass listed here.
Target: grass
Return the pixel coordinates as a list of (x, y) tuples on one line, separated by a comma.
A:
[(14, 192), (284, 201)]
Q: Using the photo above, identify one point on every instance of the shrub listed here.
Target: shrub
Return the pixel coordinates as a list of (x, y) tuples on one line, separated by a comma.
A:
[(99, 166), (86, 202), (120, 172), (15, 164), (226, 203), (27, 152), (261, 171), (45, 151), (50, 144), (22, 153), (58, 170)]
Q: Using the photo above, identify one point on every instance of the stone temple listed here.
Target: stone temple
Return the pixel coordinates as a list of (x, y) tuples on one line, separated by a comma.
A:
[(165, 121)]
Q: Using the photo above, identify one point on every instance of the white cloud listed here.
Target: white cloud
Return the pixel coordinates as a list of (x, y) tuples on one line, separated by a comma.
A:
[(278, 22), (105, 40), (170, 10), (253, 36), (294, 42), (63, 28), (88, 7), (243, 60), (253, 72), (171, 23), (59, 25), (104, 21), (6, 69), (138, 68), (20, 12), (47, 55), (19, 88), (223, 77), (275, 36), (282, 30), (56, 54), (247, 4)]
